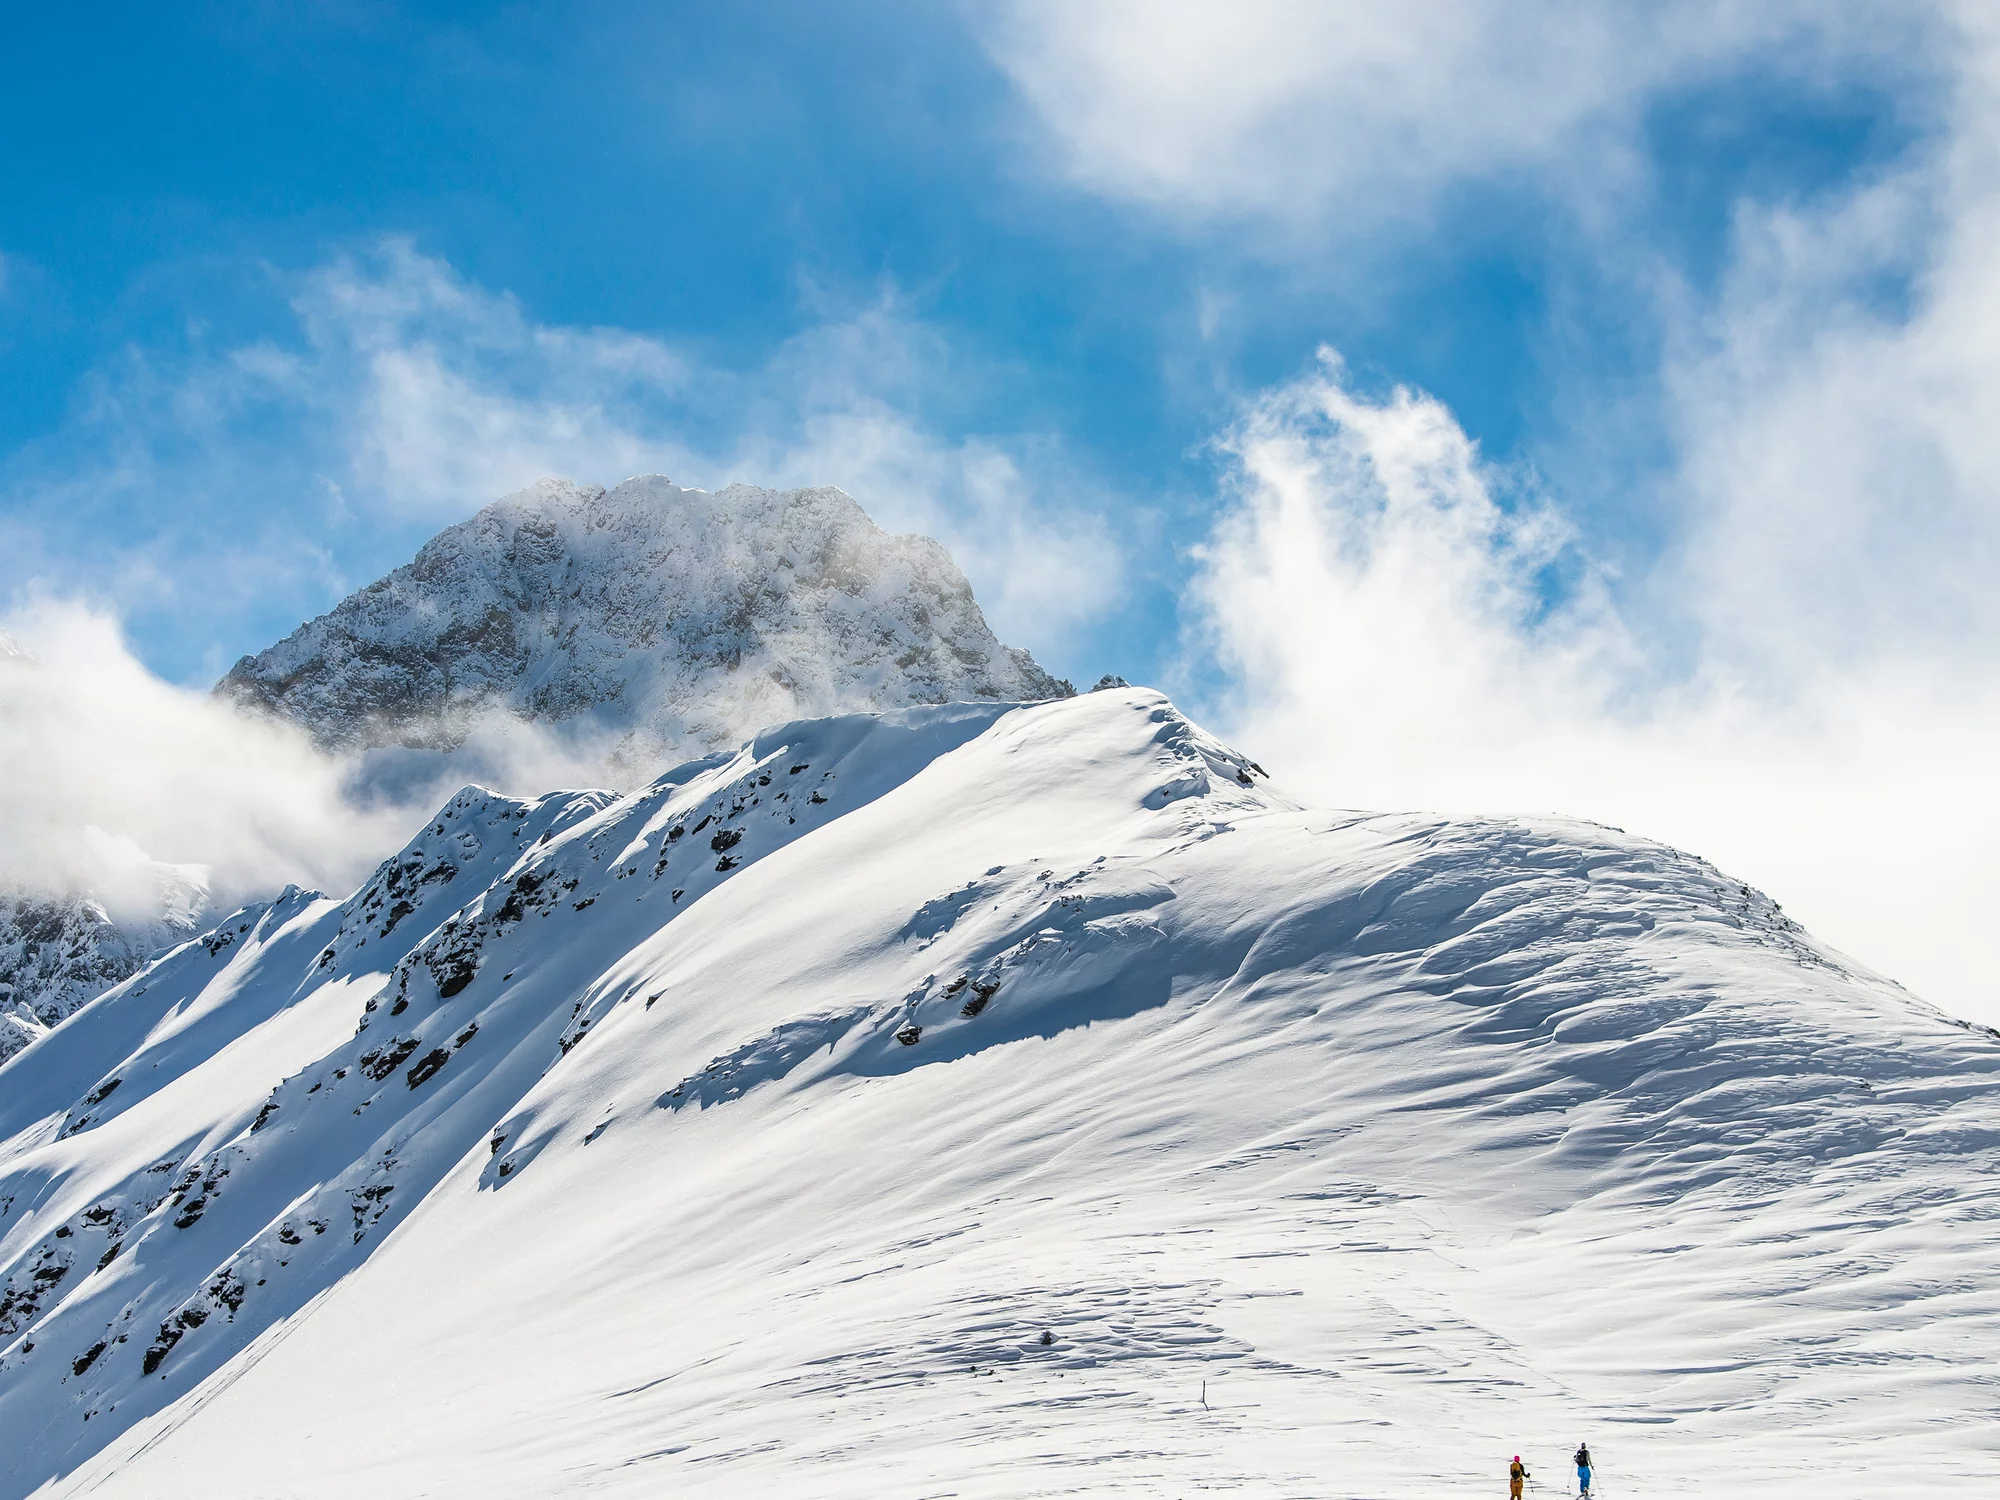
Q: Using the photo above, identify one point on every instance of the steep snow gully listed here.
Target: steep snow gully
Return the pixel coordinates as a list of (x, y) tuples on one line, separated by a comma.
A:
[(998, 1100)]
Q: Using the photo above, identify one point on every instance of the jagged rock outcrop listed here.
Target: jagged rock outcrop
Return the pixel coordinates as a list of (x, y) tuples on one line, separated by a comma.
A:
[(59, 950)]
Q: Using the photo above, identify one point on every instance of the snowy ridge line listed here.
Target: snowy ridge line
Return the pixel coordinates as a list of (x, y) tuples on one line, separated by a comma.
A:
[(633, 626), (439, 1041), (1592, 1011), (931, 1101)]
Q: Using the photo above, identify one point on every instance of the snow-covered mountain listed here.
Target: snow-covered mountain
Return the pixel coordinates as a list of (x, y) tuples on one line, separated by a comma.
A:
[(999, 1100), (658, 619), (68, 934), (61, 949), (642, 624)]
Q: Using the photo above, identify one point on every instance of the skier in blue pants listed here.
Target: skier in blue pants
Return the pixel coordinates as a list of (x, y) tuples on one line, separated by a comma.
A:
[(1583, 1468)]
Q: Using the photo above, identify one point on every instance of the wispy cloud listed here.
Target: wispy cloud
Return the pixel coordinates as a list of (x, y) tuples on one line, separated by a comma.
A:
[(1343, 116), (443, 395), (1404, 628), (399, 395), (108, 767), (1839, 466)]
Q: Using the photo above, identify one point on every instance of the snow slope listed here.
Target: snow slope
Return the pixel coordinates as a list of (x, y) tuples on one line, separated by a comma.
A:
[(948, 1102), (668, 620), (642, 623)]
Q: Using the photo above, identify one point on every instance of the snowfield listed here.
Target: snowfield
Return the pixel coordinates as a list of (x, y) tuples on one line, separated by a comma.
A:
[(994, 1100)]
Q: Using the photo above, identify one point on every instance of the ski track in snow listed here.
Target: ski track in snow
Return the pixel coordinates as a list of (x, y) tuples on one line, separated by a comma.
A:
[(947, 1102)]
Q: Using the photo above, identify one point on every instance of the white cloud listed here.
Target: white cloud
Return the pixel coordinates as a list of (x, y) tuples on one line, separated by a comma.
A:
[(107, 767), (445, 396), (1368, 561), (1840, 466), (1344, 114), (1798, 676), (1387, 623), (160, 800)]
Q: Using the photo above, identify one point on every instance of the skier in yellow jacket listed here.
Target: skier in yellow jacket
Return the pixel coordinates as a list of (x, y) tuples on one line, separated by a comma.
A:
[(1517, 1475)]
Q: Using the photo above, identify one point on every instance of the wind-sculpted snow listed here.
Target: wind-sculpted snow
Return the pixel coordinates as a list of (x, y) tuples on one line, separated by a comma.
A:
[(999, 1101), (213, 1143), (662, 617)]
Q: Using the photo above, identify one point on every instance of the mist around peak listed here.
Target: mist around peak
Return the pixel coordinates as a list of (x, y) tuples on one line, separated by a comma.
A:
[(565, 636), (648, 618)]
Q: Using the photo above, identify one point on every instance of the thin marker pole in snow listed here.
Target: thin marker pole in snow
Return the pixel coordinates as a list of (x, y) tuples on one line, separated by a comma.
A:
[(1204, 1395)]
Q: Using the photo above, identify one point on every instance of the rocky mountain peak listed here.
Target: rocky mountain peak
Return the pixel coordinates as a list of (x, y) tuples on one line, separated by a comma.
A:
[(642, 623), (663, 619)]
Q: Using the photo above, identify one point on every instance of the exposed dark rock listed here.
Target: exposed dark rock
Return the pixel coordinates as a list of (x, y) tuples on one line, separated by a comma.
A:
[(454, 975), (385, 1059), (428, 1066)]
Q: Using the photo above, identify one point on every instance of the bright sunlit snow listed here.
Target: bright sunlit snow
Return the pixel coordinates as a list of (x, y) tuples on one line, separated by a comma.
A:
[(999, 1101)]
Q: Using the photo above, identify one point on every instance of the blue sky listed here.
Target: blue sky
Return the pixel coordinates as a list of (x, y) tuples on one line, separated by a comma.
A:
[(726, 180), (1687, 309)]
